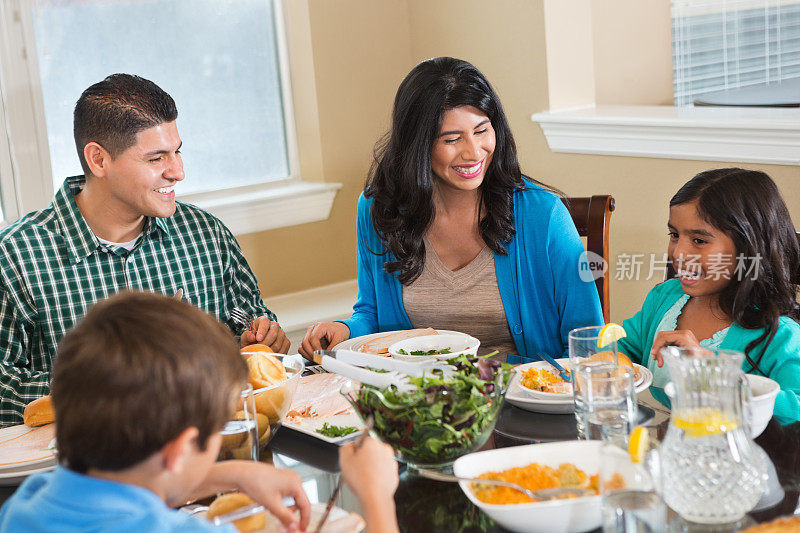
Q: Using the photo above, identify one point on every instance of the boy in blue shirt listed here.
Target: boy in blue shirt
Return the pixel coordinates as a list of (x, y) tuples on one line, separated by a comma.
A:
[(142, 387)]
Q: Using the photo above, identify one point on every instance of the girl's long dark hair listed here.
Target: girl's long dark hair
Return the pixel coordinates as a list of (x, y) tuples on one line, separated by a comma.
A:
[(400, 180), (747, 206)]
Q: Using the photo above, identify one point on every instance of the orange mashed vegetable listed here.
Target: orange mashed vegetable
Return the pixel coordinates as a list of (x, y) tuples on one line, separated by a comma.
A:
[(533, 477), (545, 381)]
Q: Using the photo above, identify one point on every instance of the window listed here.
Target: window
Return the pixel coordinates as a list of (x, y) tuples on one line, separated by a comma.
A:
[(225, 62), (728, 44), (218, 60)]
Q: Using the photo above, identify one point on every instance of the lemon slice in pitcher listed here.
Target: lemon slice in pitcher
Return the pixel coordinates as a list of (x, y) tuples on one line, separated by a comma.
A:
[(703, 422), (609, 333), (638, 444)]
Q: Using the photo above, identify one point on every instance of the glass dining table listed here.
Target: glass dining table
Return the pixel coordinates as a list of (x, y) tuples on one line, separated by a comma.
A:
[(434, 506), (426, 505)]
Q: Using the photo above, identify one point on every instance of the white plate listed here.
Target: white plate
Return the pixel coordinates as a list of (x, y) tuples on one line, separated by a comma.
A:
[(556, 516), (310, 425), (23, 448), (356, 343), (15, 477), (530, 401)]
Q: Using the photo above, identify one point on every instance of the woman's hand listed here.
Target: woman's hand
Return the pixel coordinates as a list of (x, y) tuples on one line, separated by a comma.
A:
[(267, 332), (323, 335), (681, 337)]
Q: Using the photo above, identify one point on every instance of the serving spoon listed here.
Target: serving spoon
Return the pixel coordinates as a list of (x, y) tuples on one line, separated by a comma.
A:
[(552, 493)]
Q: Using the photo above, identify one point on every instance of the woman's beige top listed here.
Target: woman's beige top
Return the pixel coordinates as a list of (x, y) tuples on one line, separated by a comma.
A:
[(466, 300)]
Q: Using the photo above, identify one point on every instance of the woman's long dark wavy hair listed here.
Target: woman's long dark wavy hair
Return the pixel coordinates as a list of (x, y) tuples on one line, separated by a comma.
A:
[(401, 181), (747, 206)]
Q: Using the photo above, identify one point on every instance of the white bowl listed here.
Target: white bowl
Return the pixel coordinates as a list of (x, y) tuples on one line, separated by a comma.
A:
[(762, 403), (459, 343), (573, 515)]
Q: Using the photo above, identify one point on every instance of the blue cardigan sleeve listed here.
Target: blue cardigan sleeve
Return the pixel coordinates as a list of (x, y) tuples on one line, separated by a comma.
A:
[(365, 316), (575, 298)]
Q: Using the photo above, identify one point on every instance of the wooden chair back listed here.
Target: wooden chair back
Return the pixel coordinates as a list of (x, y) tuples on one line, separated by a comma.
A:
[(592, 218)]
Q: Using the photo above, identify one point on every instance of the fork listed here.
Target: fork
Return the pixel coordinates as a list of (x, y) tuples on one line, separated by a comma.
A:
[(243, 318)]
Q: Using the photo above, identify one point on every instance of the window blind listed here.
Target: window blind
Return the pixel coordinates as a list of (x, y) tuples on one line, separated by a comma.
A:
[(728, 44)]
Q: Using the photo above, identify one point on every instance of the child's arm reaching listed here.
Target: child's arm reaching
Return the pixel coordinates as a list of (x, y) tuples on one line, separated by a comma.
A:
[(681, 337), (371, 473), (264, 483)]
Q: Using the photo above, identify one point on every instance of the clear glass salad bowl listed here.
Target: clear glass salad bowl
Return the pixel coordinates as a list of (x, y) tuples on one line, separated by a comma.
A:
[(442, 419)]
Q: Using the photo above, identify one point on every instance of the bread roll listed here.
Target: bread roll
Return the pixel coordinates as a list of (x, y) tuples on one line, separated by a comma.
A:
[(232, 501), (786, 524), (248, 350), (624, 360), (39, 412), (265, 370)]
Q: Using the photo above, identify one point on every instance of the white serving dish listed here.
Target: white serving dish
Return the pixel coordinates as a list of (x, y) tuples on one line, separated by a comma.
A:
[(574, 515), (459, 343)]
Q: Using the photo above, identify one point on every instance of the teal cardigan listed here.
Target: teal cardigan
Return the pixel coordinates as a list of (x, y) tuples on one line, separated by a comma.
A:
[(780, 362), (539, 280)]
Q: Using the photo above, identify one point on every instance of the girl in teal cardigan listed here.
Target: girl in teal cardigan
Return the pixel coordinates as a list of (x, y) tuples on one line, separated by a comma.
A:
[(737, 259)]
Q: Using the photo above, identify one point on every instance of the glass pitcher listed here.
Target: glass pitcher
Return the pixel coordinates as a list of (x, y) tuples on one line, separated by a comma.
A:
[(713, 472)]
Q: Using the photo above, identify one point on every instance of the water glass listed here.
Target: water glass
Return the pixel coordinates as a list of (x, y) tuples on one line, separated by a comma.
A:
[(585, 342), (240, 435), (630, 491), (605, 401)]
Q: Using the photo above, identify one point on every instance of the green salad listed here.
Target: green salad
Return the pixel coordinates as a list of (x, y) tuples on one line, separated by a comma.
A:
[(425, 352), (444, 417), (336, 431)]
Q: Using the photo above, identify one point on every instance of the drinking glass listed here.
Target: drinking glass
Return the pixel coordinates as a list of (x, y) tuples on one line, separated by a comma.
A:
[(240, 435), (605, 401), (630, 491), (585, 343)]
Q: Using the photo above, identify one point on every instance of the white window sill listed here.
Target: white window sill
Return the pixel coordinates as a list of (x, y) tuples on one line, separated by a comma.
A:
[(735, 134), (265, 207)]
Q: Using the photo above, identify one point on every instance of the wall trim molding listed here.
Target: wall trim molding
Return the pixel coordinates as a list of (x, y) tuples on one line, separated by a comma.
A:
[(262, 208), (735, 134), (298, 310)]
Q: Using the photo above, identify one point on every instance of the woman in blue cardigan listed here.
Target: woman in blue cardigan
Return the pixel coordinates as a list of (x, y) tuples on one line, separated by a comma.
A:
[(451, 235)]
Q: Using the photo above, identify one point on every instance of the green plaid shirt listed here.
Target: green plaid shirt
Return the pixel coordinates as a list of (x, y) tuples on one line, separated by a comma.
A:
[(53, 268)]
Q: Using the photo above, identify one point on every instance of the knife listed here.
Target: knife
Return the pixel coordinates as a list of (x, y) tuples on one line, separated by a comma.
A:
[(563, 373)]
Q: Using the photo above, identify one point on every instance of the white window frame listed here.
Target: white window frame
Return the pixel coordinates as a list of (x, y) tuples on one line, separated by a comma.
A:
[(578, 125), (731, 134), (26, 181)]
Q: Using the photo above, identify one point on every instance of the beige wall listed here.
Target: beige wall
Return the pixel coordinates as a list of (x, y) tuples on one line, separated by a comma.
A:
[(363, 48), (361, 51)]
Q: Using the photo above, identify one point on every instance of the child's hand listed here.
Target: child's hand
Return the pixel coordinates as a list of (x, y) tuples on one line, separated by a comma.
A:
[(681, 337), (268, 485), (369, 471)]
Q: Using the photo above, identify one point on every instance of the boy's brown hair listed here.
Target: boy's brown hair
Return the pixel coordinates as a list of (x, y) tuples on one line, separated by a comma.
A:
[(136, 371)]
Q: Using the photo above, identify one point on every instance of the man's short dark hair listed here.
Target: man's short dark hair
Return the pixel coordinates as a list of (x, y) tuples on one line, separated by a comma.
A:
[(134, 373), (113, 111)]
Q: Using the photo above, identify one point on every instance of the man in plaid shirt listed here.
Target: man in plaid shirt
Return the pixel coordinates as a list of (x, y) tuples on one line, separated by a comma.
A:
[(119, 227)]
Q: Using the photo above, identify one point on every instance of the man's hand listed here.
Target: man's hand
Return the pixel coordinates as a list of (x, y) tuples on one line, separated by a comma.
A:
[(267, 332), (681, 337)]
